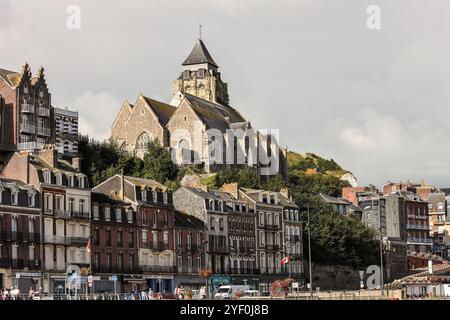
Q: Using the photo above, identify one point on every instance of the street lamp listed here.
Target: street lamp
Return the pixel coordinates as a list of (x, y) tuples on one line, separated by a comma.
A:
[(205, 244)]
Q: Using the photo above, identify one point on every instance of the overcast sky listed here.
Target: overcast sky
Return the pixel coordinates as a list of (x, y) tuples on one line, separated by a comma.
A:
[(376, 101)]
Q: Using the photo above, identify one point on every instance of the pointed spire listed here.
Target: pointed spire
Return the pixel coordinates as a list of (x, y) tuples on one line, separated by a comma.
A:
[(199, 55)]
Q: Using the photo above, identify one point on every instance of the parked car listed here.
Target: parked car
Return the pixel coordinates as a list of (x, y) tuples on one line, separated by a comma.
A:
[(230, 291), (251, 295)]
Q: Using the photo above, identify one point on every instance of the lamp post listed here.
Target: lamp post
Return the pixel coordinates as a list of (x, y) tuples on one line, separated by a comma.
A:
[(309, 253), (205, 244)]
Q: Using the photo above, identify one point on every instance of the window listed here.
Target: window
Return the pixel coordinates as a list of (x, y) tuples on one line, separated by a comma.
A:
[(155, 196), (179, 239), (190, 263), (31, 199), (144, 217), (107, 213), (71, 205), (199, 263), (155, 240), (155, 220), (47, 177), (221, 224), (143, 141), (108, 238), (180, 262), (31, 226), (96, 215), (130, 239), (130, 216), (144, 195), (81, 206), (211, 223), (48, 204), (119, 215), (166, 239), (31, 253), (108, 261), (59, 179), (131, 262), (119, 238), (81, 182), (165, 197), (144, 238), (189, 240), (71, 180), (166, 221), (14, 224), (59, 203), (14, 197), (119, 262)]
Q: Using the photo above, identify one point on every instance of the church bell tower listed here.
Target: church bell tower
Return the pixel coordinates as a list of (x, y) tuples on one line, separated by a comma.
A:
[(200, 76)]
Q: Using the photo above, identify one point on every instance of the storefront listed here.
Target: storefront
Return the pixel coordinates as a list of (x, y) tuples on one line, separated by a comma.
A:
[(160, 283), (134, 283), (193, 282), (26, 280), (250, 280), (218, 280)]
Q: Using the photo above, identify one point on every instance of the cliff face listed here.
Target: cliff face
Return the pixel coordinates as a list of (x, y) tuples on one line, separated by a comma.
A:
[(311, 163)]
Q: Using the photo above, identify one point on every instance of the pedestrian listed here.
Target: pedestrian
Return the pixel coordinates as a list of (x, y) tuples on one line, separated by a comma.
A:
[(31, 293)]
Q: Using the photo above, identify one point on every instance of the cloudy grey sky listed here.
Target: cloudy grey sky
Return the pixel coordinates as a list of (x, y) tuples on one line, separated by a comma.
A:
[(377, 101)]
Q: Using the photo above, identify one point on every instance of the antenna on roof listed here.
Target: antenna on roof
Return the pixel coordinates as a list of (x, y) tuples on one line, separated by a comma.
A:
[(200, 32)]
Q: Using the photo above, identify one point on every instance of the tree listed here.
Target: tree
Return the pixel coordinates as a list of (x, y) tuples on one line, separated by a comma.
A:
[(158, 164)]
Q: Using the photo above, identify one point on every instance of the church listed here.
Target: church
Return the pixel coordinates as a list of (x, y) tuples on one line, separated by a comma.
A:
[(198, 126)]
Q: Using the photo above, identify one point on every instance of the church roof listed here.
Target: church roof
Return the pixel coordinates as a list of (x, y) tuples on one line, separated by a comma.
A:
[(11, 77), (199, 54), (215, 116), (162, 110)]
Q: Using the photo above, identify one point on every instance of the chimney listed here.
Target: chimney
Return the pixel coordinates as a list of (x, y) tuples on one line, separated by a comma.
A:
[(285, 192), (76, 163), (232, 188), (49, 154)]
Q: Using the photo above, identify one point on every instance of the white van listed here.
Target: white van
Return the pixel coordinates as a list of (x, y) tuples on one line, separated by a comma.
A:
[(229, 292)]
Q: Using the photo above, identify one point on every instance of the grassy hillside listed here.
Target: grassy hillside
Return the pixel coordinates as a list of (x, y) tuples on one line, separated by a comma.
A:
[(311, 163)]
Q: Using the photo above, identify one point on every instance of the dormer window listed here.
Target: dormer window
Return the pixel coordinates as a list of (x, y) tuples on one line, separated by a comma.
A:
[(107, 214), (130, 216), (264, 198), (14, 197), (155, 196), (31, 199), (144, 195), (81, 182), (59, 179), (165, 197), (47, 177), (95, 212), (71, 181), (119, 215)]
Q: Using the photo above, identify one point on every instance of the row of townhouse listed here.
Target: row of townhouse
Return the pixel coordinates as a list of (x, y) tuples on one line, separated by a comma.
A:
[(140, 234)]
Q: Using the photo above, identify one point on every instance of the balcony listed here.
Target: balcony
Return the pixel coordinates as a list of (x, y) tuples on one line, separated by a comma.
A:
[(417, 227), (293, 238), (34, 264), (61, 214), (271, 247), (159, 269), (5, 263), (17, 264), (243, 250), (420, 241), (34, 237), (27, 128), (27, 108), (218, 250), (79, 215), (271, 227), (30, 145), (193, 248), (77, 241), (44, 131), (51, 239), (160, 246), (43, 112), (5, 236), (16, 236), (244, 271)]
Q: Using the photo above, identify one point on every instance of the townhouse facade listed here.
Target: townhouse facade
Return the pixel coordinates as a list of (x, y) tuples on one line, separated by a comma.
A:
[(114, 244), (190, 250), (20, 256), (65, 212), (154, 209), (66, 132)]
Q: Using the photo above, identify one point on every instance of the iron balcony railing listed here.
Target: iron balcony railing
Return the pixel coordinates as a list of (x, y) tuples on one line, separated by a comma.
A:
[(244, 271), (5, 263), (160, 246), (43, 112), (420, 240), (44, 131), (272, 247), (27, 128), (27, 108), (54, 239), (77, 241), (294, 238), (34, 237), (219, 249), (417, 227), (271, 227), (17, 263), (16, 236), (34, 264), (79, 215), (158, 269)]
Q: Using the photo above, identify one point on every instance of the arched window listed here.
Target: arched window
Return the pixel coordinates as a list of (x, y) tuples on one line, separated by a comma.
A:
[(185, 147), (143, 140)]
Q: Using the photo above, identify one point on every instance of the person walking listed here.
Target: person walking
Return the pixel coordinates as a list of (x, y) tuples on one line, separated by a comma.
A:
[(31, 293)]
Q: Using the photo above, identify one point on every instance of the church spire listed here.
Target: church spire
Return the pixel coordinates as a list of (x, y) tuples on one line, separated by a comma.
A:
[(199, 54)]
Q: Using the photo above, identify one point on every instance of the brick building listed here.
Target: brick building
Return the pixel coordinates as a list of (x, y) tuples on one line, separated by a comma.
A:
[(114, 243), (20, 254), (189, 250), (65, 197), (27, 114), (152, 203)]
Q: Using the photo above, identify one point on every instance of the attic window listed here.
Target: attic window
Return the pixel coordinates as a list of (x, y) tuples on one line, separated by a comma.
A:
[(47, 177)]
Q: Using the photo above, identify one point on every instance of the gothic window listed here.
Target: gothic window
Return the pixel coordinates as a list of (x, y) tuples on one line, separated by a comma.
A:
[(143, 140)]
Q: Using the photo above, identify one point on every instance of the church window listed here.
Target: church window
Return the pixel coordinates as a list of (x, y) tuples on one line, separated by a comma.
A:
[(143, 141)]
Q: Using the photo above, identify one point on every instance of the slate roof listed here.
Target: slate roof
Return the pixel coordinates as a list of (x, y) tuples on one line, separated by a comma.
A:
[(140, 182), (198, 55), (331, 199), (162, 110), (61, 165), (214, 116), (202, 193), (183, 220), (103, 198)]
